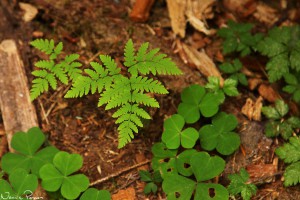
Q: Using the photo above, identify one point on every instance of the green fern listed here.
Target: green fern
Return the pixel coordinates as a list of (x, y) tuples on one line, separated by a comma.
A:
[(51, 71), (126, 93)]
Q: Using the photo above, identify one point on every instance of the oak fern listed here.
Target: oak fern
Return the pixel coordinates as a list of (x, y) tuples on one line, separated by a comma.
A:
[(51, 71), (128, 93)]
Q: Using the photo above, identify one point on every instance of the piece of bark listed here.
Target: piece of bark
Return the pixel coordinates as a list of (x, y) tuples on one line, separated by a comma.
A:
[(18, 113), (177, 10), (202, 62), (141, 10), (268, 93), (253, 109)]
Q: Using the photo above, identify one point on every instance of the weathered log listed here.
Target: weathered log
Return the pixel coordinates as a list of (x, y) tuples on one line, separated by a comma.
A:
[(18, 113)]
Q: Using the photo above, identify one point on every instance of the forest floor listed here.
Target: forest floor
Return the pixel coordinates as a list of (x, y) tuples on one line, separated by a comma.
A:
[(93, 27)]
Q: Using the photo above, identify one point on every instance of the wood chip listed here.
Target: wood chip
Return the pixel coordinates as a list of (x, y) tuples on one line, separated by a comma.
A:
[(266, 14), (262, 172), (268, 93), (253, 109), (194, 11), (29, 11), (202, 62), (127, 194)]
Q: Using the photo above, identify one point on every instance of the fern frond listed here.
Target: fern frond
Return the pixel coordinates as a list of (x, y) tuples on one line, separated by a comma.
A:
[(43, 45), (125, 135), (139, 111), (71, 67), (140, 56), (39, 86), (80, 87), (142, 84), (110, 64), (144, 99), (45, 64), (120, 87), (60, 73), (129, 54), (158, 64)]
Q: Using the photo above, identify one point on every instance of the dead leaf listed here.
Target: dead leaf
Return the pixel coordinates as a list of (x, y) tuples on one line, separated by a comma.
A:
[(253, 109), (262, 172), (202, 62), (268, 93), (30, 11), (127, 194), (2, 132)]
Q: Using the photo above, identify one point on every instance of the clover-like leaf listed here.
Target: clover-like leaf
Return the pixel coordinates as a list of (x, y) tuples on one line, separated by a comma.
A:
[(183, 162), (220, 134), (93, 193), (58, 175), (164, 159), (21, 186), (206, 167), (211, 191), (189, 108), (178, 187), (26, 156), (173, 134)]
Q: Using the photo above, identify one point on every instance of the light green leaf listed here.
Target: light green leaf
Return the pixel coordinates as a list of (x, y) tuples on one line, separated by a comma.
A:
[(95, 194)]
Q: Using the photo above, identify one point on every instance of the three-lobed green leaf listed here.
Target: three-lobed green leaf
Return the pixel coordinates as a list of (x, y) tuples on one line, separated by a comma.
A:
[(58, 175), (173, 135), (27, 155), (95, 194), (219, 134), (196, 101)]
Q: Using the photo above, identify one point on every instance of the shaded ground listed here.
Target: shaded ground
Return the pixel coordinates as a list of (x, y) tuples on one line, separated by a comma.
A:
[(93, 27)]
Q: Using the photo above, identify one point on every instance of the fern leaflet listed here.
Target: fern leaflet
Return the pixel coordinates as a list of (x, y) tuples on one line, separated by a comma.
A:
[(51, 70)]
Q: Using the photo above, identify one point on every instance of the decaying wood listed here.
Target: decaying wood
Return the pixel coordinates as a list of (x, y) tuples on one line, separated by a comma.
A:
[(18, 113), (202, 62), (17, 109), (141, 10), (193, 11)]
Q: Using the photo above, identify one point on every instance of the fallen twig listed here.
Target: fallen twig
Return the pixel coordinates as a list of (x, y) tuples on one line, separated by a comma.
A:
[(119, 172)]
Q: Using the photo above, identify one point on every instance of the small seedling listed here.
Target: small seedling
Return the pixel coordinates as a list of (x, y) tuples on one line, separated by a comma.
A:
[(219, 134), (293, 86), (238, 38), (95, 194), (282, 47), (278, 125), (228, 88), (27, 155), (58, 175), (233, 69), (21, 185), (239, 185), (173, 134), (151, 179), (128, 91), (290, 154), (196, 101), (204, 167)]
